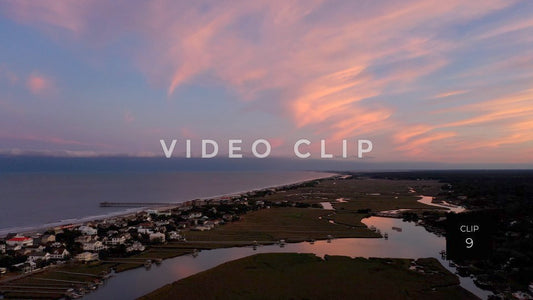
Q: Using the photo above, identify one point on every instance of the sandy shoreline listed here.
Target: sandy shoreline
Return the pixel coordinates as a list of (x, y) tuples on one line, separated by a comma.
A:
[(32, 229)]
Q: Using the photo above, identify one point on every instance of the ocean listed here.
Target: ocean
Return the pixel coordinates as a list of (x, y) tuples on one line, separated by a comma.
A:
[(31, 200)]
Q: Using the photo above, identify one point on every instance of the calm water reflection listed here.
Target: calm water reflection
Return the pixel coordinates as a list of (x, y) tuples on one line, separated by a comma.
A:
[(427, 200), (412, 242)]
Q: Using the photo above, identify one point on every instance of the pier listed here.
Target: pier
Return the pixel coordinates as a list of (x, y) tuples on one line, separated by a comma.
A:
[(134, 204)]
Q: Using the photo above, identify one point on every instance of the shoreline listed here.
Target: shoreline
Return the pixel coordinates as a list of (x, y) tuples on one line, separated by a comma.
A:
[(32, 229)]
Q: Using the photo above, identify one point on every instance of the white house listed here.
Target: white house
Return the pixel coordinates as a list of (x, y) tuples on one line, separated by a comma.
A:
[(93, 246), (2, 248), (20, 241), (34, 248), (48, 238), (116, 240), (157, 235), (87, 230), (159, 213), (44, 256), (144, 230), (174, 235), (135, 247), (193, 215), (59, 253), (87, 256)]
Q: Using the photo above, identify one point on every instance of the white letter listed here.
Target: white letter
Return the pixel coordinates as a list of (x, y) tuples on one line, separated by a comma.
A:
[(188, 152), (232, 148), (344, 149), (297, 150), (267, 151), (323, 150), (360, 149), (168, 152), (204, 149)]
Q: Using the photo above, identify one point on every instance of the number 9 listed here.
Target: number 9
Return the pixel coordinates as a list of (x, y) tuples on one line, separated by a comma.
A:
[(469, 243)]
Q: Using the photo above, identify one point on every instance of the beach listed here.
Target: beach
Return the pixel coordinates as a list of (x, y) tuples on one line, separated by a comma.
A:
[(53, 205)]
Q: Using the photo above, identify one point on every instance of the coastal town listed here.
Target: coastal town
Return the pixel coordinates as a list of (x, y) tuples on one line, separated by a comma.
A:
[(23, 255), (71, 260)]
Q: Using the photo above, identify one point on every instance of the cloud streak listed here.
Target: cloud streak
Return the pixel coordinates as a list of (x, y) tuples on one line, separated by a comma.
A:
[(338, 70)]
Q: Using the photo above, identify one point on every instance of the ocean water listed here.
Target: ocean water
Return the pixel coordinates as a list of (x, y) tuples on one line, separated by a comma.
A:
[(34, 199)]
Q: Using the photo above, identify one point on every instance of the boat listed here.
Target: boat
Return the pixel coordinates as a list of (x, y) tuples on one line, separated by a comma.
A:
[(399, 229), (452, 264), (147, 263)]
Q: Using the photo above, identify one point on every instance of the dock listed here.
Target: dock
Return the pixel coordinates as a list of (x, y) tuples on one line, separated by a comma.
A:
[(135, 204)]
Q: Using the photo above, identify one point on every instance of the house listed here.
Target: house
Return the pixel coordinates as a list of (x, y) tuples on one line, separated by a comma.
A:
[(20, 241), (14, 248), (87, 256), (174, 235), (84, 239), (227, 217), (199, 202), (34, 248), (2, 248), (59, 253), (43, 256), (116, 240), (136, 246), (56, 245), (201, 228), (48, 238), (209, 224), (193, 215), (93, 246), (161, 223), (158, 213), (26, 267), (87, 230), (144, 230), (146, 227), (157, 235)]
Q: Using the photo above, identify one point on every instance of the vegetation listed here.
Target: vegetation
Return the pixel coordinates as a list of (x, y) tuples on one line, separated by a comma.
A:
[(290, 219), (290, 276), (508, 195)]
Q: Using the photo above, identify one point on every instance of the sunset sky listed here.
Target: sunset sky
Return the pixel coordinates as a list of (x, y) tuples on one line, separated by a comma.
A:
[(442, 81)]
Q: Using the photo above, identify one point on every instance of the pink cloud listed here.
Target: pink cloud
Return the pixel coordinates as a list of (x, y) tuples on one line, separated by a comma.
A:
[(39, 84), (450, 94), (331, 70), (419, 145), (188, 133)]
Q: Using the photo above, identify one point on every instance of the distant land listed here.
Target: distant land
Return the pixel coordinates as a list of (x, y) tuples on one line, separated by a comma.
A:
[(10, 163)]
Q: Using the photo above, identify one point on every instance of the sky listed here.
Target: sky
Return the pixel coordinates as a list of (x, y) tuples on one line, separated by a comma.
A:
[(437, 81)]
